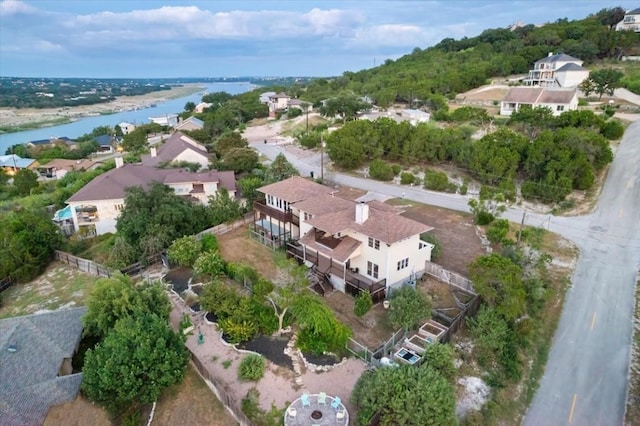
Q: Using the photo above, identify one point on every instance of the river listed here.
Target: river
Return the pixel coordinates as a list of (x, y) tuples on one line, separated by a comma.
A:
[(141, 116)]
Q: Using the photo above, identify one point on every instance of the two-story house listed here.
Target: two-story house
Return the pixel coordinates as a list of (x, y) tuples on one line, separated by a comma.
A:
[(630, 22), (278, 102), (558, 70), (95, 208), (353, 246)]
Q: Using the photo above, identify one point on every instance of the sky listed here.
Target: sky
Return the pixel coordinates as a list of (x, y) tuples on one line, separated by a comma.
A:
[(191, 38)]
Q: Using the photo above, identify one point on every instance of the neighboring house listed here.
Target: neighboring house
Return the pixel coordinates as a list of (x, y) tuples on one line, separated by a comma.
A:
[(126, 127), (165, 120), (199, 109), (12, 163), (264, 97), (630, 22), (278, 102), (57, 168), (35, 364), (351, 246), (95, 208), (302, 105), (106, 143), (558, 100), (191, 123), (52, 142), (557, 71), (415, 116), (179, 147)]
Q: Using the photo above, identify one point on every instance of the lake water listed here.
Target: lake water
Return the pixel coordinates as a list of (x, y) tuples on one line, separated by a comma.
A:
[(141, 116)]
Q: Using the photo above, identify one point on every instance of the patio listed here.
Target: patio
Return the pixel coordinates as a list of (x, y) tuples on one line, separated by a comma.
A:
[(331, 412)]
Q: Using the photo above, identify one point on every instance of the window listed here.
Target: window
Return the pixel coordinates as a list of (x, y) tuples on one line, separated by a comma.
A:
[(270, 199), (374, 243), (307, 216), (403, 263), (372, 269), (560, 108), (119, 207)]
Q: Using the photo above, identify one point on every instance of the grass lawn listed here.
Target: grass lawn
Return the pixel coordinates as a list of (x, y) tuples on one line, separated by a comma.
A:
[(191, 403), (58, 287)]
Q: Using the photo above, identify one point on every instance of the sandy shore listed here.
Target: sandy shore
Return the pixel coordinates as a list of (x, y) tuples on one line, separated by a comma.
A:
[(34, 118)]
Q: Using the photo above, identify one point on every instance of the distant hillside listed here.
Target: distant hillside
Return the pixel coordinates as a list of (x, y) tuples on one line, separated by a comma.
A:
[(455, 66)]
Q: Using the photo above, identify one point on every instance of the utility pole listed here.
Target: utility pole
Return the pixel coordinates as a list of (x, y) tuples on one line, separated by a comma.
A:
[(520, 232), (322, 159), (307, 108)]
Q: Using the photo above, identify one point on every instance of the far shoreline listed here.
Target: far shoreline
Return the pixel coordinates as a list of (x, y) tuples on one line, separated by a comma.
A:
[(14, 120)]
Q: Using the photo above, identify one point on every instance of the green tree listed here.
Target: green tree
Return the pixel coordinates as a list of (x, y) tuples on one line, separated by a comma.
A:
[(25, 180), (281, 169), (116, 298), (223, 208), (320, 330), (441, 357), (185, 251), (240, 160), (606, 80), (135, 141), (286, 296), (189, 106), (380, 170), (363, 303), (499, 282), (210, 263), (28, 239), (487, 208), (228, 141), (20, 150), (405, 395), (408, 307), (139, 358)]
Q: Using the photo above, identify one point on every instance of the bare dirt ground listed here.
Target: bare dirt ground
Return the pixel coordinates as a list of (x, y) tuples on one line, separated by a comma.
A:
[(10, 117), (277, 131), (455, 231), (79, 412), (237, 246)]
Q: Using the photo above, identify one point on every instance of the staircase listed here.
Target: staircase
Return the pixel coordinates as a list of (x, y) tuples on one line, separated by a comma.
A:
[(319, 280)]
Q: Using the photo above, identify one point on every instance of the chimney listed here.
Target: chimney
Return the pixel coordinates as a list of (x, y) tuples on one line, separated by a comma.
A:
[(154, 151), (119, 161), (362, 212)]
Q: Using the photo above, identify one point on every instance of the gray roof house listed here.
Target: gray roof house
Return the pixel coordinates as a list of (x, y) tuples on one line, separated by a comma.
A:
[(35, 364), (558, 100), (179, 147)]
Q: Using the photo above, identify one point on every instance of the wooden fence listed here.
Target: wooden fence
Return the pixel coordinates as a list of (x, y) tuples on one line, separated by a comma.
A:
[(86, 265), (372, 357), (5, 283), (448, 277), (223, 228), (218, 389)]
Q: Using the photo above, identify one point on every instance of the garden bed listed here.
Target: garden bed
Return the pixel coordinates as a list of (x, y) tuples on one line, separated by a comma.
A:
[(272, 348), (324, 359), (179, 278)]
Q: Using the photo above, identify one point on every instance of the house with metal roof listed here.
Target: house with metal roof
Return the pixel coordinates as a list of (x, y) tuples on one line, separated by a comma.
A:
[(191, 123), (12, 163), (557, 100), (350, 246), (36, 370), (51, 141), (557, 70), (630, 22)]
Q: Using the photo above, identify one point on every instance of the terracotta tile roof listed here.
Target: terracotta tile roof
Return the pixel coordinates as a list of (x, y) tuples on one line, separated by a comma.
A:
[(382, 225), (342, 252), (177, 143), (295, 189)]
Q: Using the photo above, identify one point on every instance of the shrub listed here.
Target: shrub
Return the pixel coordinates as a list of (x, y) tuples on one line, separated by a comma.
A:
[(440, 357), (238, 330), (381, 170), (251, 368), (437, 247), (396, 169), (463, 189), (294, 112), (209, 242), (436, 181), (407, 178), (408, 307), (612, 130), (311, 140), (184, 251), (582, 102), (363, 303), (497, 231)]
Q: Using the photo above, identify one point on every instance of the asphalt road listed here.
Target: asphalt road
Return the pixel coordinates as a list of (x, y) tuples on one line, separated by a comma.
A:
[(585, 380)]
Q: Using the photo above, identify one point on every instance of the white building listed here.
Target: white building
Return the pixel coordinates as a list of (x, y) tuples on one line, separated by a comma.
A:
[(351, 246), (557, 71), (558, 100), (630, 22), (415, 116), (126, 127), (165, 120)]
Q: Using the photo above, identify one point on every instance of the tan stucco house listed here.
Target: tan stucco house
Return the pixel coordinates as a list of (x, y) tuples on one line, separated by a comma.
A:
[(558, 100), (352, 246)]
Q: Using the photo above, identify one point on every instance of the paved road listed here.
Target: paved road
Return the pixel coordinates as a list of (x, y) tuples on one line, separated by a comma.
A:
[(585, 379)]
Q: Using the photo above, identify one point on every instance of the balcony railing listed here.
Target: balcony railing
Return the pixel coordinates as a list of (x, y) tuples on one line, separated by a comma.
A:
[(285, 217)]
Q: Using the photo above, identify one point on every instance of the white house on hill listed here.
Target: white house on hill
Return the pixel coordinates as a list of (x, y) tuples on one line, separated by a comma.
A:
[(630, 22), (558, 100), (557, 71)]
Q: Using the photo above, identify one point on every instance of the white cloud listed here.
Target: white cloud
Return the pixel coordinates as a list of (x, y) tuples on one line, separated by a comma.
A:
[(391, 35), (14, 7)]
